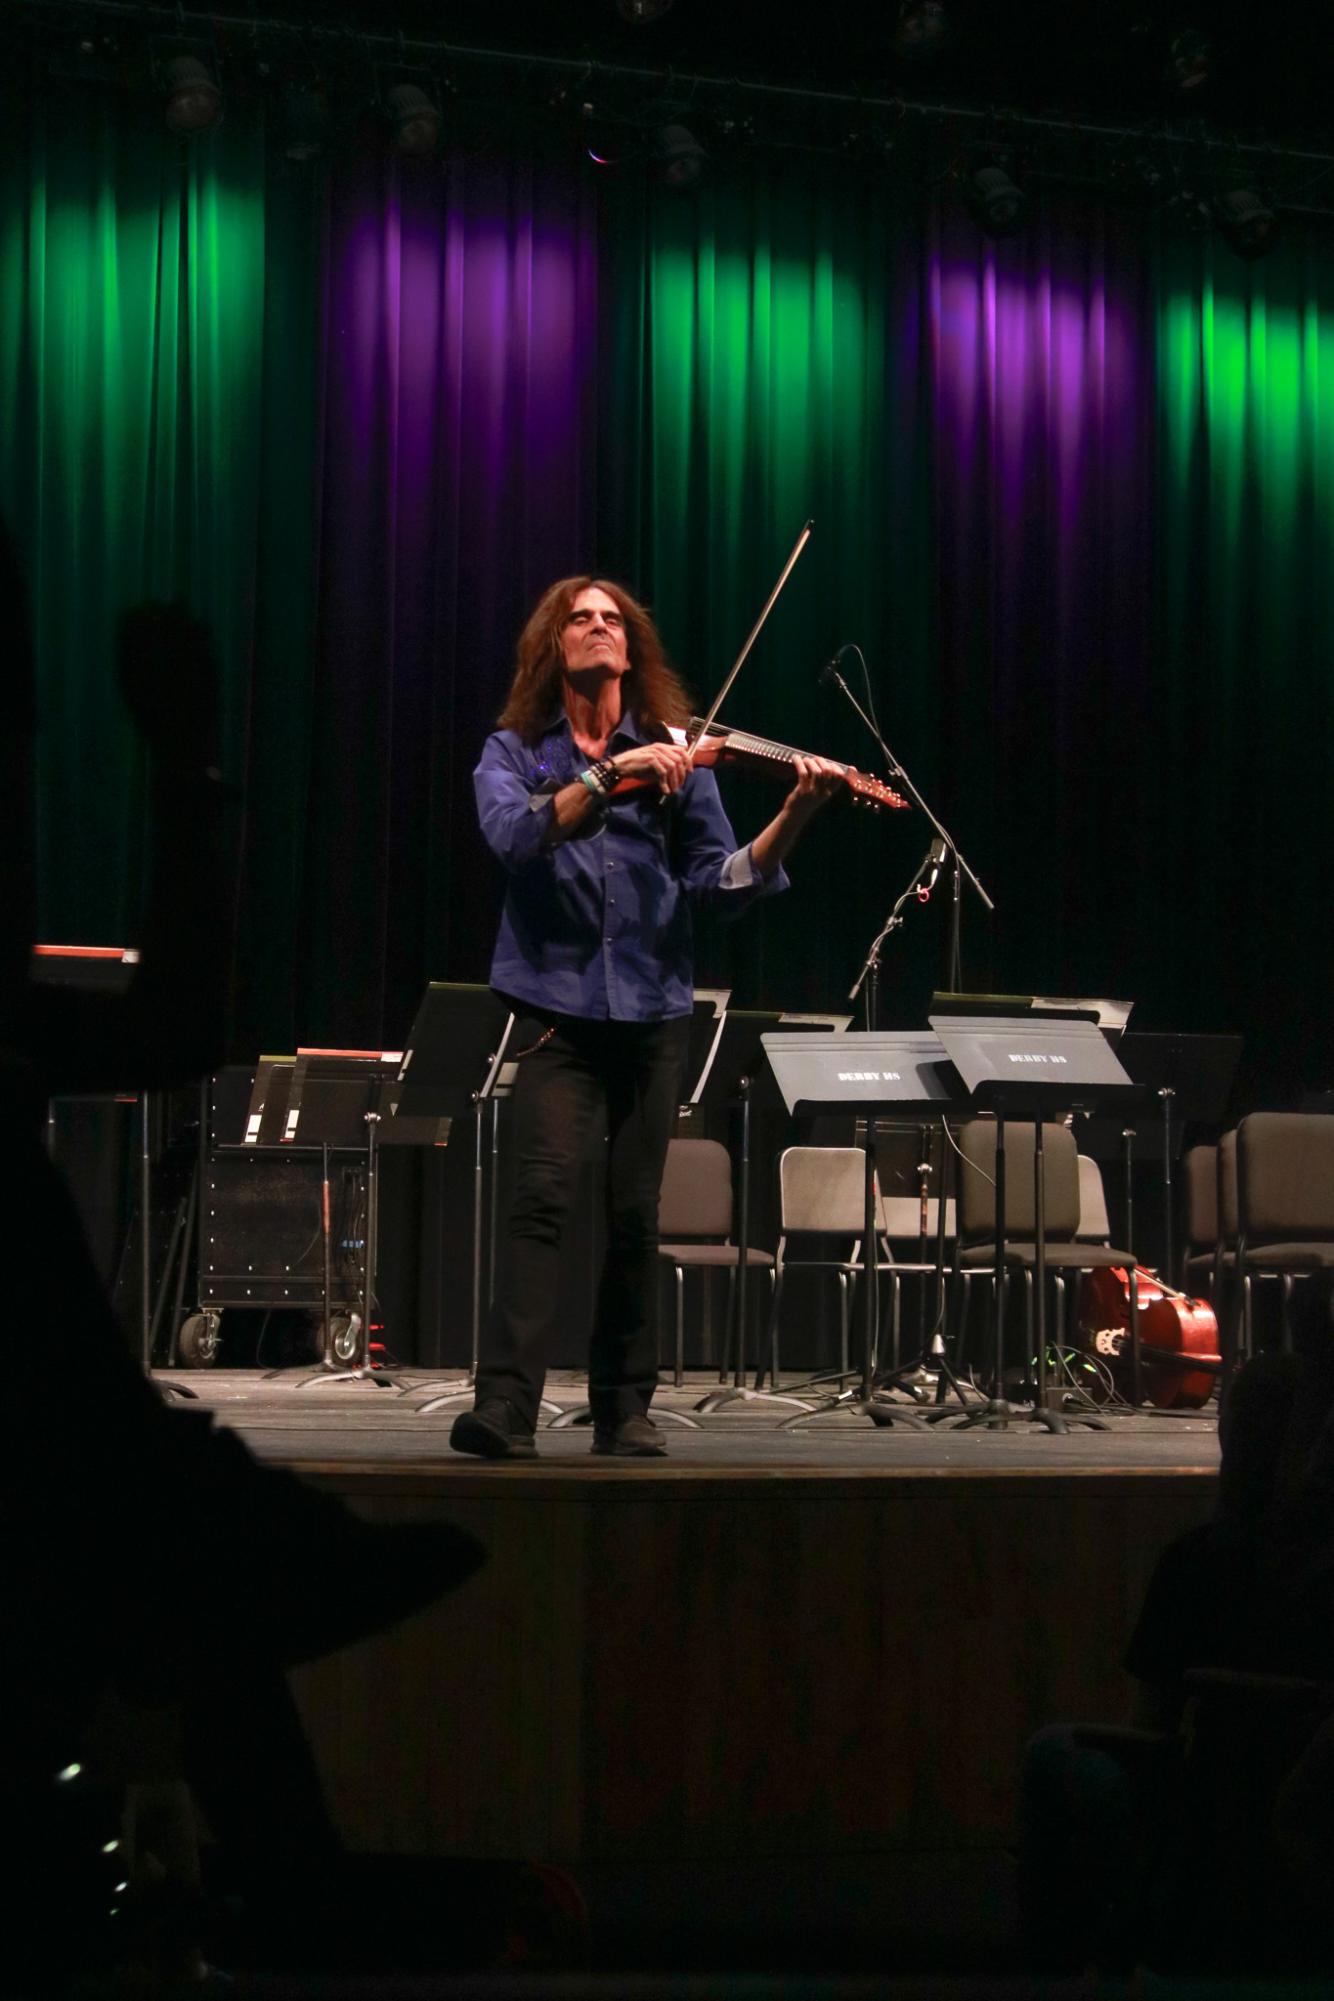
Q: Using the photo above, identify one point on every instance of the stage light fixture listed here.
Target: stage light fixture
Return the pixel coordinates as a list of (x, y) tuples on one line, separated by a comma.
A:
[(998, 204), (923, 27), (643, 11), (680, 158), (1189, 59), (90, 58), (1248, 225), (192, 100), (604, 139), (414, 119), (305, 121)]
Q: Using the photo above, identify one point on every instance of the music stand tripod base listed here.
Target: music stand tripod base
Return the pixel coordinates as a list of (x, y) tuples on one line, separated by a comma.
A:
[(580, 1414)]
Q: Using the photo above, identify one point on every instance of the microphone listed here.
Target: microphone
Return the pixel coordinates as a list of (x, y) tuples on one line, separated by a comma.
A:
[(829, 676), (935, 861)]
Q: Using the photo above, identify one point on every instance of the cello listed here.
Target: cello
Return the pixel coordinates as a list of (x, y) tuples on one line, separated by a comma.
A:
[(1178, 1336)]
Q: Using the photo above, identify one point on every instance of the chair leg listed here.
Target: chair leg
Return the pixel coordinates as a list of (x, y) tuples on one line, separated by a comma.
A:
[(1228, 1310), (725, 1352), (680, 1376), (775, 1306), (956, 1316), (1287, 1313), (847, 1293), (1062, 1339), (1247, 1328)]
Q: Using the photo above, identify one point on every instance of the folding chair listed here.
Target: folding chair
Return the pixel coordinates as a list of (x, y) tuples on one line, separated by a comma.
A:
[(695, 1229), (822, 1193), (1285, 1204)]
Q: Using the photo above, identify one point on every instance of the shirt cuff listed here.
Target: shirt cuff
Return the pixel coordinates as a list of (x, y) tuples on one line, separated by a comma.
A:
[(739, 871)]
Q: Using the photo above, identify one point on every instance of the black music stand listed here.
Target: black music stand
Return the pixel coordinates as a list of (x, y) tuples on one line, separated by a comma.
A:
[(873, 1076), (451, 1069), (1191, 1077), (1030, 1068), (919, 1056), (334, 1106), (739, 1074), (266, 1116)]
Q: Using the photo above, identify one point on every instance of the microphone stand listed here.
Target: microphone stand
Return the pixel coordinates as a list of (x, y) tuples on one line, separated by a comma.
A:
[(898, 773), (933, 1357), (869, 976)]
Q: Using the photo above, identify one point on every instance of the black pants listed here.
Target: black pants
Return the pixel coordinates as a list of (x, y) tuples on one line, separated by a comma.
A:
[(633, 1071)]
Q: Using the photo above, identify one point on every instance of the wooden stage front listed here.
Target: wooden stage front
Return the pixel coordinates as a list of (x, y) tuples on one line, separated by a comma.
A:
[(777, 1680)]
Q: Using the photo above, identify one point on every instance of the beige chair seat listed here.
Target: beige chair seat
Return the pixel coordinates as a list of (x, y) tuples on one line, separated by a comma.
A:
[(1058, 1257), (718, 1255), (1292, 1257)]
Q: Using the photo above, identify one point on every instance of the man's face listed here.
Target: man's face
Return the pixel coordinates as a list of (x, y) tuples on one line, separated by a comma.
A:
[(593, 635)]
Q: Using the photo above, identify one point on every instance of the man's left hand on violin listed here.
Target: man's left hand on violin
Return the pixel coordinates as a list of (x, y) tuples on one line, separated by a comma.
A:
[(818, 779)]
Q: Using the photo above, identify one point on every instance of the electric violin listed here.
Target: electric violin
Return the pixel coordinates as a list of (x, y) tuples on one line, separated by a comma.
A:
[(720, 745)]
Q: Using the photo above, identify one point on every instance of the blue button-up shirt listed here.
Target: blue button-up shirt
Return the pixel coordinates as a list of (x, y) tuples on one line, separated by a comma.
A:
[(600, 926)]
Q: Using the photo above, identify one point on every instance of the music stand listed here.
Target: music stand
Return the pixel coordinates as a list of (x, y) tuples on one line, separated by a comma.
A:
[(1191, 1077), (875, 1076), (1030, 1068), (920, 1056), (451, 1067), (736, 1071), (333, 1105), (266, 1116)]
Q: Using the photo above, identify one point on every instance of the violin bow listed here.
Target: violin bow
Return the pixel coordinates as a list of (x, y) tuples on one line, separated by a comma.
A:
[(740, 661)]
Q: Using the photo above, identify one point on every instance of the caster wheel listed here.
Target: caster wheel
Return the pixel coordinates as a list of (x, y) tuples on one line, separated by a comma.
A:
[(198, 1342), (344, 1337)]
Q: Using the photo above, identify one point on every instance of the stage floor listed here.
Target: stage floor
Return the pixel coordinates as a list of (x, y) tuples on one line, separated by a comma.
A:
[(296, 1418), (770, 1690)]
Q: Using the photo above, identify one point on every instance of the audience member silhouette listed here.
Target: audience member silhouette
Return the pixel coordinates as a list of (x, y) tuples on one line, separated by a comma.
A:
[(1192, 1836), (156, 1566)]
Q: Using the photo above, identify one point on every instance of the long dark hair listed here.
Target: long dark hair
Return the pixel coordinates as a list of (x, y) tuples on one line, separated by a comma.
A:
[(653, 689)]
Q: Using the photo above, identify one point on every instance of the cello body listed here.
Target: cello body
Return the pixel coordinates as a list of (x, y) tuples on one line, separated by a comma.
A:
[(1173, 1332)]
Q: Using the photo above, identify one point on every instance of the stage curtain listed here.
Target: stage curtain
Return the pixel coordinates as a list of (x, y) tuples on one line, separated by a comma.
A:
[(766, 339), (1071, 493), (348, 414), (967, 424), (1043, 573), (1242, 736), (132, 287), (456, 480)]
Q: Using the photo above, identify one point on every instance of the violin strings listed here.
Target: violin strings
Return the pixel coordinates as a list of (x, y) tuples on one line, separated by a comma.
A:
[(766, 750)]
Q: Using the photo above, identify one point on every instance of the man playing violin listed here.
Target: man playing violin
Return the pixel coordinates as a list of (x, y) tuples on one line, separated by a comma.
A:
[(595, 947)]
